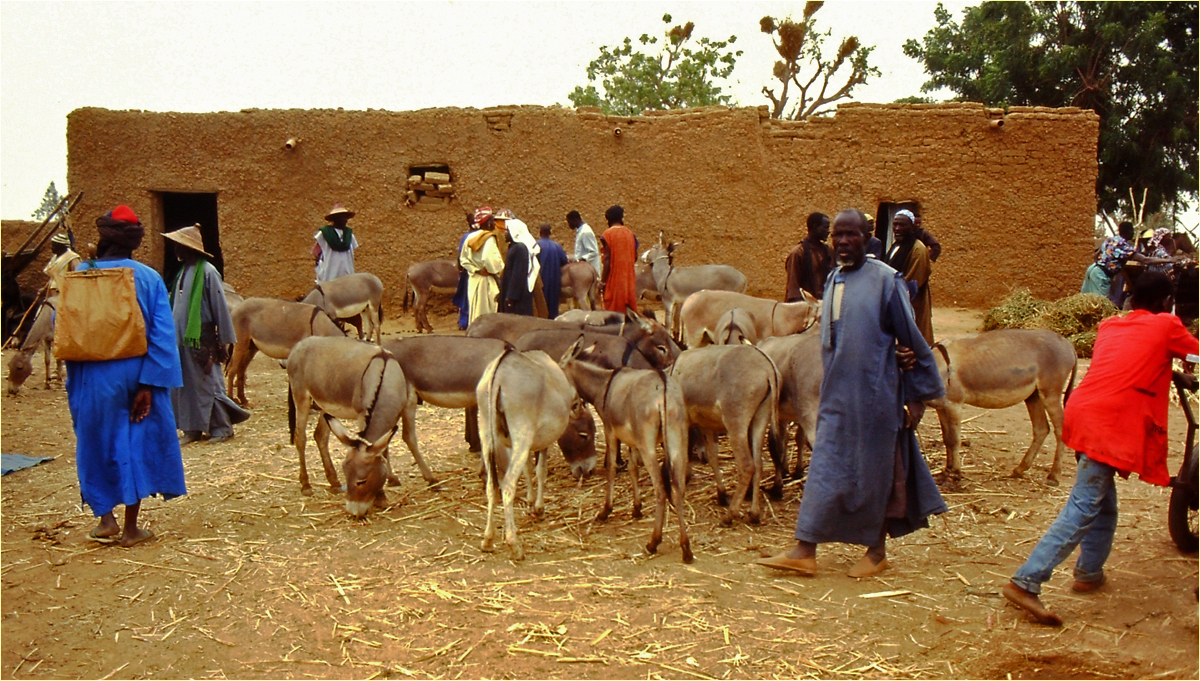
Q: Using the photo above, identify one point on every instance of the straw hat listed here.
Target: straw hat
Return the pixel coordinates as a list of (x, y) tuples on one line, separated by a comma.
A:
[(189, 237), (339, 209)]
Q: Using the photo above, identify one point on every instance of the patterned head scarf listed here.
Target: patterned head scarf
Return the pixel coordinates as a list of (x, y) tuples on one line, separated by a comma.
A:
[(481, 215), (905, 213), (1159, 234)]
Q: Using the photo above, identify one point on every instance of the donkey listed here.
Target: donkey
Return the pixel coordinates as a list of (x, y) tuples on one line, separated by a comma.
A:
[(998, 369), (734, 327), (352, 296), (525, 404), (640, 408), (273, 326), (40, 335), (798, 359), (436, 276), (703, 309), (580, 278), (350, 379), (631, 325), (232, 297), (732, 389), (675, 284), (445, 370)]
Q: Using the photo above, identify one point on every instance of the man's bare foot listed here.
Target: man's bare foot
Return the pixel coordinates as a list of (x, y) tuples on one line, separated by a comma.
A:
[(139, 535), (1031, 604), (107, 529), (796, 559)]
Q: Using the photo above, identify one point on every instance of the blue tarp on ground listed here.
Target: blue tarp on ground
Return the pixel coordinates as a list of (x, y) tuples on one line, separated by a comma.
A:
[(15, 462)]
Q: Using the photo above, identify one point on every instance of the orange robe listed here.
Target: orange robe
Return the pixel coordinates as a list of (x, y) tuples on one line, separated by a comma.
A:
[(620, 289)]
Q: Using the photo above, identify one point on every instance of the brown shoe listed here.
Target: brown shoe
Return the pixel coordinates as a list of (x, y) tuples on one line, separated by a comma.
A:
[(1085, 587), (1030, 603), (865, 568), (782, 561)]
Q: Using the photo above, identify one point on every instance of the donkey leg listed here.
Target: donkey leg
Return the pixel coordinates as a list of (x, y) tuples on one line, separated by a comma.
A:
[(1054, 409), (409, 418), (950, 420), (48, 357), (1041, 428), (321, 437), (633, 476), (648, 451), (300, 439), (678, 466), (709, 443), (739, 443), (508, 487), (610, 469)]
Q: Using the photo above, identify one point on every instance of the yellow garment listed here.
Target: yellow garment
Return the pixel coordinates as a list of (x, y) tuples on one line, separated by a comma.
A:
[(484, 265)]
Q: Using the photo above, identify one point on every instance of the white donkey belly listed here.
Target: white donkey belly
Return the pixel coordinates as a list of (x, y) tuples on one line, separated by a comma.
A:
[(350, 310)]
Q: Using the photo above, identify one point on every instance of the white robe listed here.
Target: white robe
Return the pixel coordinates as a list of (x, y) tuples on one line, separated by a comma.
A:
[(484, 267), (333, 263)]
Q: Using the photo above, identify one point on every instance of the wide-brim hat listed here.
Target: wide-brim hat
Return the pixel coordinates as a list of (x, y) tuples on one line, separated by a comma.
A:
[(339, 209), (189, 237), (505, 214)]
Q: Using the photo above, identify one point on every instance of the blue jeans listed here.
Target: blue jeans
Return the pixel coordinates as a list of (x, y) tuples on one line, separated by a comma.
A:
[(1088, 521)]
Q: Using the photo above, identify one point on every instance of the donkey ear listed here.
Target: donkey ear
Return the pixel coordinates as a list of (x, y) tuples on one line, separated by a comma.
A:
[(633, 317), (339, 431), (706, 338), (572, 352), (808, 298), (382, 443)]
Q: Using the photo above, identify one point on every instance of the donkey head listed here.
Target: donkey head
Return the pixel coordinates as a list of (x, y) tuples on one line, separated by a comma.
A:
[(366, 468), (650, 338), (578, 441), (20, 367)]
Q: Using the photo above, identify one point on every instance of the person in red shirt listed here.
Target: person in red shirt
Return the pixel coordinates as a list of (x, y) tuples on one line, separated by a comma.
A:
[(1116, 421), (618, 250)]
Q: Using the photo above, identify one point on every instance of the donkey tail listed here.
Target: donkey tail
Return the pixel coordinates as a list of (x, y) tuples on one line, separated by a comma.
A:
[(291, 413), (407, 292), (1071, 381)]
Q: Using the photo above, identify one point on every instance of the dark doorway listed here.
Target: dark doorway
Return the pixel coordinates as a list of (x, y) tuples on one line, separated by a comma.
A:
[(183, 210)]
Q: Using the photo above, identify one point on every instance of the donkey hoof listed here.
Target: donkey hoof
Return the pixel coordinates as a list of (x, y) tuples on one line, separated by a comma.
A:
[(753, 518), (306, 491), (687, 554), (1052, 481), (727, 520), (486, 545), (337, 489), (603, 514), (652, 547), (775, 493), (517, 553), (1017, 473), (637, 512), (722, 499), (393, 481), (538, 513)]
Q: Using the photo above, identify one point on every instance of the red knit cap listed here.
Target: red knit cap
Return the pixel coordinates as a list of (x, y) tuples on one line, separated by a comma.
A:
[(125, 214)]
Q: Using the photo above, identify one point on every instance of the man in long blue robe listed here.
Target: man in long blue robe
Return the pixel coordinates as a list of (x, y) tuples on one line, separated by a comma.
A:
[(552, 257), (126, 448), (867, 479), (199, 308)]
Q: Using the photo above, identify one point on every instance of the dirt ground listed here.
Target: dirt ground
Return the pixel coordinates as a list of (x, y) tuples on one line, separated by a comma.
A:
[(249, 579)]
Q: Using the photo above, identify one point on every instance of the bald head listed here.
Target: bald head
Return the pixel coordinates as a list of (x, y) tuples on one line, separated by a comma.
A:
[(848, 239)]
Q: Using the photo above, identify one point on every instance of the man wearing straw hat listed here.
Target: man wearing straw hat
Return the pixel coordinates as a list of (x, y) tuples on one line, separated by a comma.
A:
[(64, 260), (202, 330), (335, 244)]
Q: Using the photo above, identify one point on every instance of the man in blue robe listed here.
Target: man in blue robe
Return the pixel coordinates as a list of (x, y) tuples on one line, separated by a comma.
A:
[(553, 257), (126, 448), (867, 479), (461, 300)]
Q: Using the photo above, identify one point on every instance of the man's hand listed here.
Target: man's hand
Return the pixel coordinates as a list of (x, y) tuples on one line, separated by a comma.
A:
[(1188, 380), (140, 408), (913, 412), (906, 359)]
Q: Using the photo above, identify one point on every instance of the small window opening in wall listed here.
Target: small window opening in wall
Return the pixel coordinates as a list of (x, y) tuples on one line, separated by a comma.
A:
[(883, 219), (429, 185)]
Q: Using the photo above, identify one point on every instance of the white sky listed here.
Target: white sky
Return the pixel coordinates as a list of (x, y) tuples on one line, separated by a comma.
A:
[(196, 57)]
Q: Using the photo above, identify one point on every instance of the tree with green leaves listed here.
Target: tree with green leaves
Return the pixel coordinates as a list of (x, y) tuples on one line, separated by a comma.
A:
[(680, 74), (50, 200), (1133, 63), (800, 45)]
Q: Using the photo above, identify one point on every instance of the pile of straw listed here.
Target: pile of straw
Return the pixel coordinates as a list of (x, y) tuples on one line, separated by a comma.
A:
[(1076, 317)]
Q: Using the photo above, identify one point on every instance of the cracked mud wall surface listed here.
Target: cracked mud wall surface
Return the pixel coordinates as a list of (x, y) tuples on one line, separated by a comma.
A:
[(1012, 206)]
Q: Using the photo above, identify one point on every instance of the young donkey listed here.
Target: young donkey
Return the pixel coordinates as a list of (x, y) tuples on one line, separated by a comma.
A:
[(41, 334), (525, 404), (349, 297), (640, 407), (349, 379)]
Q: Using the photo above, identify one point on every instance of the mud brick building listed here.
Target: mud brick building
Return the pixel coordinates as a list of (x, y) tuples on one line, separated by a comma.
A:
[(1009, 194)]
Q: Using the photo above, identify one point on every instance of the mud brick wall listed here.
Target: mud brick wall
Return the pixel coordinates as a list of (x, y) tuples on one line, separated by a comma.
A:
[(1012, 205)]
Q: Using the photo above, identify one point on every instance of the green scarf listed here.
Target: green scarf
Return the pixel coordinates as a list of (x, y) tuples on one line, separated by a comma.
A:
[(331, 237), (191, 336)]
